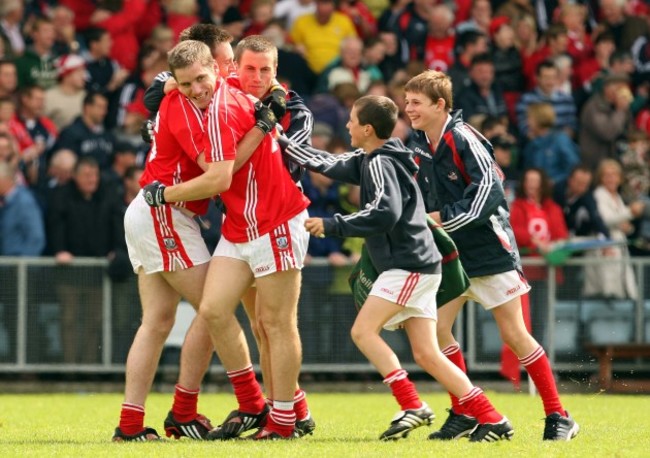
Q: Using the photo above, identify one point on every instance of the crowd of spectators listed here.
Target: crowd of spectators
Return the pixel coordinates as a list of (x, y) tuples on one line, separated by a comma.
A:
[(558, 86)]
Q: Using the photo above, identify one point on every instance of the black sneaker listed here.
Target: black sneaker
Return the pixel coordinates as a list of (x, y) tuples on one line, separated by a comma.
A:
[(194, 429), (264, 434), (406, 421), (147, 434), (306, 426), (559, 428), (455, 427), (492, 432), (237, 423)]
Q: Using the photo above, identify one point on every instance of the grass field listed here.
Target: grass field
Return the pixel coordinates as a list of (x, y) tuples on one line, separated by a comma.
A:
[(80, 425)]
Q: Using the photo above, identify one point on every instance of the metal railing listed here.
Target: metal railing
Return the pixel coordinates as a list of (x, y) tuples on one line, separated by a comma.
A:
[(37, 333)]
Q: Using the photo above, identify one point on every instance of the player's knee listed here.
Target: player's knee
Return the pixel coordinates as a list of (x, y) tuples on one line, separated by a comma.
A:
[(425, 357), (359, 333)]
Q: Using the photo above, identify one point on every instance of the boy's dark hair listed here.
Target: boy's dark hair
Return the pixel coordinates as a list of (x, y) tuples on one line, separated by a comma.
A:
[(94, 34), (483, 58), (379, 112), (547, 63)]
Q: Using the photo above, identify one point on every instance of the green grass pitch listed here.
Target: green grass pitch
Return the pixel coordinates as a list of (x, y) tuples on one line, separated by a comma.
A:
[(80, 425)]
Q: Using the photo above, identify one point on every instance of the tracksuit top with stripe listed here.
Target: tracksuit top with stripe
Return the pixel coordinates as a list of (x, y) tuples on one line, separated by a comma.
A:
[(462, 181), (392, 218)]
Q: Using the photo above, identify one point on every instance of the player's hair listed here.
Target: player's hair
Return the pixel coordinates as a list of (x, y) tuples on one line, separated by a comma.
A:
[(257, 44), (543, 113), (187, 53), (434, 84), (379, 112), (209, 34)]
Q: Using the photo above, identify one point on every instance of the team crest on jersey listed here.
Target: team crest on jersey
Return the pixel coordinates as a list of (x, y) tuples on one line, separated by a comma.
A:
[(282, 243), (451, 176), (170, 243)]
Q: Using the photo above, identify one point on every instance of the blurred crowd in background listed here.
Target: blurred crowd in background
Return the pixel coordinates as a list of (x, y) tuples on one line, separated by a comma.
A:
[(560, 88)]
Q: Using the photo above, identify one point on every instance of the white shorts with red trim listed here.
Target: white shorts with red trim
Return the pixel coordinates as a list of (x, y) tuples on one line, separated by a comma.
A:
[(284, 248), (494, 290), (415, 292), (162, 239)]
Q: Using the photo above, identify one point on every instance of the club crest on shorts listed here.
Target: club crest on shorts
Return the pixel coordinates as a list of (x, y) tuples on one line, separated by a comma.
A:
[(170, 243), (282, 243)]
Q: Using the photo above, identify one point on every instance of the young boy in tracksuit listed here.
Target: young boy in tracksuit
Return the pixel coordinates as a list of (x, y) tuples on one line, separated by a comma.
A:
[(401, 246)]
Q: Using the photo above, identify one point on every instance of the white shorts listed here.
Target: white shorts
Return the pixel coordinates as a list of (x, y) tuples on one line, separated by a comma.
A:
[(284, 248), (162, 239), (494, 290), (415, 292)]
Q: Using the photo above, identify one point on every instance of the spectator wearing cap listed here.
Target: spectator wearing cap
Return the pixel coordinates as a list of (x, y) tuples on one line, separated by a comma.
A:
[(605, 119), (482, 96), (36, 66), (11, 16), (318, 36), (86, 136), (63, 102)]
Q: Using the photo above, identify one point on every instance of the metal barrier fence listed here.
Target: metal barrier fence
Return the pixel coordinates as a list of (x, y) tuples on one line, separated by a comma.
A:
[(75, 319)]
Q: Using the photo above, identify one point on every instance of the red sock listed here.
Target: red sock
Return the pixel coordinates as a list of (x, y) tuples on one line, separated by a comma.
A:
[(247, 390), (539, 369), (453, 354), (300, 405), (403, 389), (477, 405), (281, 420), (131, 418), (184, 406)]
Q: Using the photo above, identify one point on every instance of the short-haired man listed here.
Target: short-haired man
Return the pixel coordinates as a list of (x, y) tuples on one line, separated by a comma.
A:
[(257, 60), (461, 183), (263, 240), (171, 260)]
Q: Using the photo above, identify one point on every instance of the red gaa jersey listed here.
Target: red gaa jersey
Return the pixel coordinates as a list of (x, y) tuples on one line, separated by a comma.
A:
[(177, 143), (262, 194)]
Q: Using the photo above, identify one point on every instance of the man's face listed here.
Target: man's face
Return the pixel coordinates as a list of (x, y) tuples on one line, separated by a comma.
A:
[(197, 83), (97, 110), (579, 182), (256, 72), (44, 35), (87, 178), (547, 79), (224, 56), (421, 110), (352, 53), (355, 129), (8, 77), (482, 74), (34, 102)]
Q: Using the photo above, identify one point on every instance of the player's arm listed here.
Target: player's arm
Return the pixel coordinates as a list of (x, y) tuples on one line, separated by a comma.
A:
[(482, 195), (215, 180), (154, 94), (378, 216), (342, 167)]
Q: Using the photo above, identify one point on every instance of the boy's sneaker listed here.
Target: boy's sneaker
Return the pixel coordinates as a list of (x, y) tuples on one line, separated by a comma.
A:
[(455, 427), (237, 423), (559, 428), (198, 428), (492, 432), (147, 434), (264, 434), (306, 426), (406, 421)]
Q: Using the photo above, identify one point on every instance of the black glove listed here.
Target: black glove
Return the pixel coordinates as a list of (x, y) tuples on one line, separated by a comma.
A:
[(154, 194), (277, 101), (265, 118), (146, 131)]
